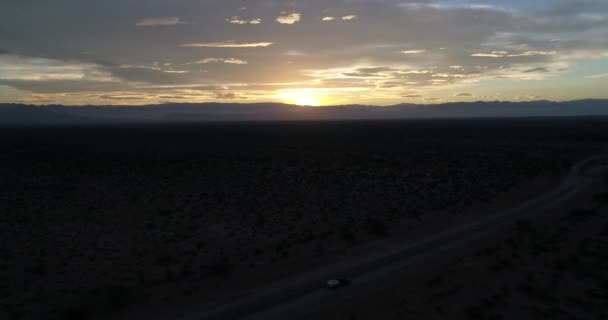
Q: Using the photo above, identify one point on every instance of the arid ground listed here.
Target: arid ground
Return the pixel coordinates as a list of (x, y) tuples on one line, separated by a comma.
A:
[(99, 222), (550, 267)]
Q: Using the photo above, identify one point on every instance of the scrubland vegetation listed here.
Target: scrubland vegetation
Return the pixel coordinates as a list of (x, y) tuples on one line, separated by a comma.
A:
[(92, 217), (552, 267)]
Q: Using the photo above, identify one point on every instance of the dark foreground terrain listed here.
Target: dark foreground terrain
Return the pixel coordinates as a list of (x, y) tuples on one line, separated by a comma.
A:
[(101, 220), (552, 266)]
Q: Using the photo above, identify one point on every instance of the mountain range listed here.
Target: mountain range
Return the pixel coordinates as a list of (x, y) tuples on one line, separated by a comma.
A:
[(29, 115)]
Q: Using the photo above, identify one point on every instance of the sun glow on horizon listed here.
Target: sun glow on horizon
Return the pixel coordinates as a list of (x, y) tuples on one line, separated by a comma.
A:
[(301, 99)]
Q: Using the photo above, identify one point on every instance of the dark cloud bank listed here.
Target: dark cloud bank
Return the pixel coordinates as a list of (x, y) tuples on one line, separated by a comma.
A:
[(26, 115)]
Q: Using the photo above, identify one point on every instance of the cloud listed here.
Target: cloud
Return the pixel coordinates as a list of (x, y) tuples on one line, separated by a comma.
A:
[(539, 69), (289, 18), (415, 71), (421, 5), (130, 66), (295, 53), (482, 43), (118, 97), (227, 96), (412, 96), (222, 60), (56, 86), (412, 51), (528, 97), (533, 53), (362, 75), (493, 54), (241, 21), (463, 95), (180, 87), (23, 68), (371, 72), (237, 20), (598, 76), (228, 44), (506, 54), (162, 21)]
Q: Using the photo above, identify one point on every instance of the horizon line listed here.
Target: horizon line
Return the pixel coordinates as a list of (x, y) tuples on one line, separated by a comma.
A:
[(296, 105)]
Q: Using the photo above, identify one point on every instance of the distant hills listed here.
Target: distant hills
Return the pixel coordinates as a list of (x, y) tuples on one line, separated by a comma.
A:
[(28, 115)]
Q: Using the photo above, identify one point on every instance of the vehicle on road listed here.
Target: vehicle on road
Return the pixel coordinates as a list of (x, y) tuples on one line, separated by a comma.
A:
[(337, 283)]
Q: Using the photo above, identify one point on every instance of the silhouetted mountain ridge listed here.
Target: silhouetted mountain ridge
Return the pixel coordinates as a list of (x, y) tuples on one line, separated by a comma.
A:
[(25, 114), (15, 114)]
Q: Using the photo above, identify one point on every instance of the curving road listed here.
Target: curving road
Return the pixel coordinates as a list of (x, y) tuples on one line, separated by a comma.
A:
[(295, 298)]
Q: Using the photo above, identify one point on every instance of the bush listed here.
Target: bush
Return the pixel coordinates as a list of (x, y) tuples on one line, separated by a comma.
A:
[(601, 198), (220, 268), (347, 235), (117, 297), (377, 227), (523, 226), (582, 213), (76, 312)]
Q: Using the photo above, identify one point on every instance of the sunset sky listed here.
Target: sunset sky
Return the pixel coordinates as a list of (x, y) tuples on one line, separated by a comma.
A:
[(315, 52)]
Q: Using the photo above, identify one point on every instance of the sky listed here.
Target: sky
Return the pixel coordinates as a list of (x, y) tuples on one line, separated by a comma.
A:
[(315, 52)]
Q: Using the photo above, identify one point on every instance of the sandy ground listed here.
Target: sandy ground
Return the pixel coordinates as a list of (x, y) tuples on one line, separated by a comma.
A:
[(172, 303), (550, 267), (148, 222)]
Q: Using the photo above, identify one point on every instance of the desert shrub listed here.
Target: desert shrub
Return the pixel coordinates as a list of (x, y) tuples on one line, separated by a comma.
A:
[(377, 227), (490, 251), (523, 226), (347, 235), (601, 198), (38, 269), (15, 314), (165, 260), (582, 213), (117, 297), (560, 264), (187, 271), (475, 313), (525, 288), (436, 281), (200, 245), (220, 268), (164, 212), (604, 231), (76, 312)]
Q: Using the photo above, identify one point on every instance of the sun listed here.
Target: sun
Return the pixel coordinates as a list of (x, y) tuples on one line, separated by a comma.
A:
[(307, 101), (301, 99)]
